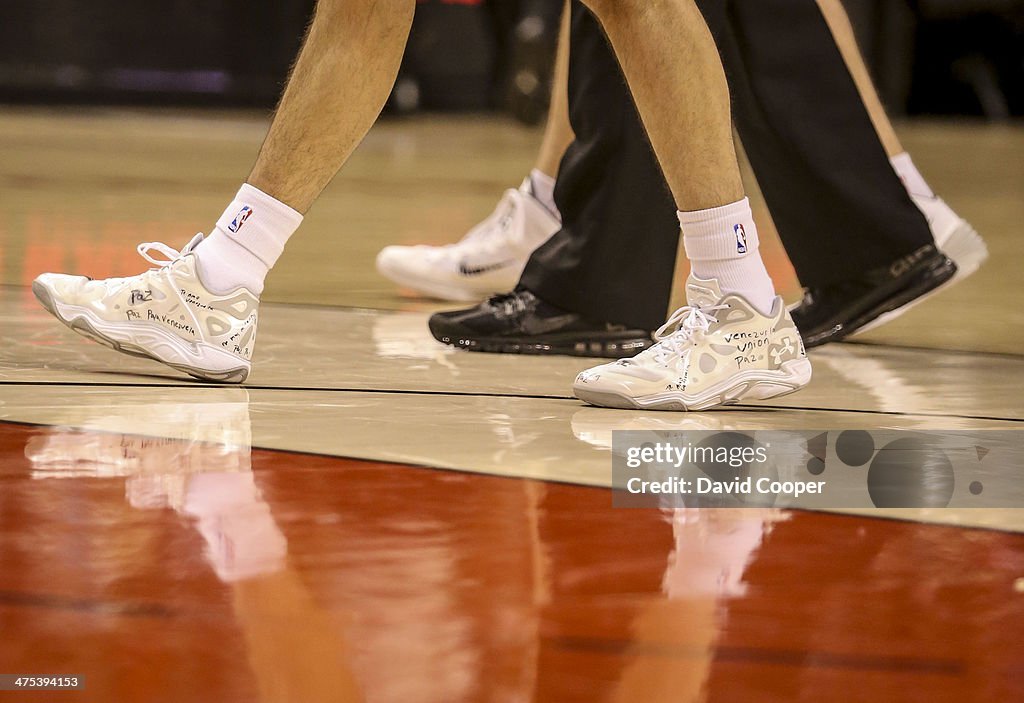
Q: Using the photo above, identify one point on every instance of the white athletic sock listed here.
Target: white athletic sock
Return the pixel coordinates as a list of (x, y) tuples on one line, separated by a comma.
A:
[(721, 243), (246, 242), (912, 179), (543, 187)]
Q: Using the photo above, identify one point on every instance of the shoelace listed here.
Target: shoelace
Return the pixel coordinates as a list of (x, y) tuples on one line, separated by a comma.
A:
[(512, 303), (682, 323), (170, 253)]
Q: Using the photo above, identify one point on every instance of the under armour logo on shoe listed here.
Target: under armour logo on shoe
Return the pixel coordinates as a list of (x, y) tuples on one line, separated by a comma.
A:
[(780, 351)]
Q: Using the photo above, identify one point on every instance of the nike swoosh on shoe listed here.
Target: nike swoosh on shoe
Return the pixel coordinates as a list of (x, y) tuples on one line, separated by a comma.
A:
[(477, 270)]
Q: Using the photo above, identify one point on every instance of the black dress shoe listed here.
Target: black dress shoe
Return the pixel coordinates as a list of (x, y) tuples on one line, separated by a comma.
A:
[(521, 323), (831, 313)]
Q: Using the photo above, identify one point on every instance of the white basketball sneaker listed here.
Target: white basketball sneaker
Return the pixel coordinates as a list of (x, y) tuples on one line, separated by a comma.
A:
[(166, 314), (715, 351), (488, 260)]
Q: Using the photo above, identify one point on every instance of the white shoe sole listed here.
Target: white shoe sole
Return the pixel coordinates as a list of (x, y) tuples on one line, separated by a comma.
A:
[(444, 291), (202, 361), (967, 250), (748, 385)]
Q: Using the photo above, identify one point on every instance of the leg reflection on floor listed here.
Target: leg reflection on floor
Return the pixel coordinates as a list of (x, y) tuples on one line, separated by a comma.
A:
[(294, 653), (190, 568)]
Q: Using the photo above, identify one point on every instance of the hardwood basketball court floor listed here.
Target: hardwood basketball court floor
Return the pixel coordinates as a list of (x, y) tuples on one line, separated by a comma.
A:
[(375, 517)]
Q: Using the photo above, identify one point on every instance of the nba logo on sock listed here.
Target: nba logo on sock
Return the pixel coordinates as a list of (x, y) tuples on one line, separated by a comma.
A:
[(240, 218), (741, 239)]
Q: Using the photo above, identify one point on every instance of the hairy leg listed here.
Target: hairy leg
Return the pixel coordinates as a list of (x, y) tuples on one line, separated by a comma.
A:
[(558, 132), (339, 85), (839, 22), (675, 73)]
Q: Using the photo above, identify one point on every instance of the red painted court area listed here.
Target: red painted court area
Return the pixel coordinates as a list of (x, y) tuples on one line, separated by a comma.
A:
[(167, 570)]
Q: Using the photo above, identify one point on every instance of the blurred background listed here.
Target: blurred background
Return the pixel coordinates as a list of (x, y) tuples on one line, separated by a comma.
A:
[(963, 57)]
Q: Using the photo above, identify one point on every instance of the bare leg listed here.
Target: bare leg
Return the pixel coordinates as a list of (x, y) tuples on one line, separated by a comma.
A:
[(839, 22), (675, 73), (501, 244), (558, 132), (953, 235), (676, 76), (337, 89)]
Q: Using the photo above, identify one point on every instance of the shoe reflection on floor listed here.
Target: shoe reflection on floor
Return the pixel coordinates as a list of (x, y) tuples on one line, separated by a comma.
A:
[(296, 650)]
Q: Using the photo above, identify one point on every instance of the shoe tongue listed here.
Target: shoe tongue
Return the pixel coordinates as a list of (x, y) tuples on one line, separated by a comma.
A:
[(190, 247), (702, 293)]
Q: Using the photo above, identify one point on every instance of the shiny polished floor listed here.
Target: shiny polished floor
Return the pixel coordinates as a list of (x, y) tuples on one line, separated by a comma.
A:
[(375, 517)]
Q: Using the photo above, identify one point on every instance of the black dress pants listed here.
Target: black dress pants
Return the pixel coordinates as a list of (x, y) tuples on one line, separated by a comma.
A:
[(838, 205)]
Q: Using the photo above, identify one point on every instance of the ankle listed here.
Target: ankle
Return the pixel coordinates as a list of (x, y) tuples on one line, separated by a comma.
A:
[(224, 265), (542, 186), (247, 241), (722, 244)]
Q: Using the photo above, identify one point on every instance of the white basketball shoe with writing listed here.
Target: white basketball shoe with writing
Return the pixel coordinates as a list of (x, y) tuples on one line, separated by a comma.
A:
[(488, 260), (166, 314), (717, 350)]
